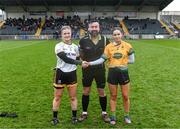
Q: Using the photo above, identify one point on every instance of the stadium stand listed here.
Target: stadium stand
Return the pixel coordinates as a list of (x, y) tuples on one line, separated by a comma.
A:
[(108, 24), (167, 27), (144, 26), (53, 25), (39, 29), (44, 19), (13, 26), (124, 28), (170, 26), (177, 25)]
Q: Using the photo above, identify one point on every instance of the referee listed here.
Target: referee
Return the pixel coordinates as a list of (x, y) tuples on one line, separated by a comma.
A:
[(91, 48)]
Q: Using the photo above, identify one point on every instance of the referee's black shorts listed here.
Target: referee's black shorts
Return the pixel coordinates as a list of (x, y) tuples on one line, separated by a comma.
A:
[(94, 72), (117, 76)]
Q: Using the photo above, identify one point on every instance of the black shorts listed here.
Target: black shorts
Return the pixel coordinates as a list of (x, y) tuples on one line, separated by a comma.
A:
[(64, 78), (117, 76), (94, 72)]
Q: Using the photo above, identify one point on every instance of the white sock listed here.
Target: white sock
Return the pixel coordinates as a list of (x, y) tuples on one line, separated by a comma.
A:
[(84, 113), (103, 112)]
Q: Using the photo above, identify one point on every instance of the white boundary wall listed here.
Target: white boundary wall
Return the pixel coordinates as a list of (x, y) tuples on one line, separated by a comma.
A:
[(46, 37)]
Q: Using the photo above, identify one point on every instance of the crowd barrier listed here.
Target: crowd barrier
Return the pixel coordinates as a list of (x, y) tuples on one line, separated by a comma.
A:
[(47, 37)]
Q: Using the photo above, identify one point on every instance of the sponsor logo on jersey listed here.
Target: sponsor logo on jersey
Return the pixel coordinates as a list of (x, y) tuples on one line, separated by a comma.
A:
[(117, 55)]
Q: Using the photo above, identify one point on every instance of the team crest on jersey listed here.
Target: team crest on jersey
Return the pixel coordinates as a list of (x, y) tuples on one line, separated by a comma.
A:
[(64, 49), (88, 48), (117, 55)]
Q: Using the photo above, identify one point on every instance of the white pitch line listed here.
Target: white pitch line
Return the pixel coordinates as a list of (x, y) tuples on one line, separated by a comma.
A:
[(19, 46)]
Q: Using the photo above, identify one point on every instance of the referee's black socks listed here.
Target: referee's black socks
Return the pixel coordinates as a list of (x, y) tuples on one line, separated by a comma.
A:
[(85, 102), (103, 102)]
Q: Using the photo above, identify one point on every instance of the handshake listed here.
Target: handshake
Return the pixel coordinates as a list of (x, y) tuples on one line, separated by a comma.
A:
[(85, 64)]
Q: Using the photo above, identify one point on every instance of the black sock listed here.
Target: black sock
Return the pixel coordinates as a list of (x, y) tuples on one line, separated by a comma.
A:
[(85, 102), (103, 102), (55, 113), (74, 112)]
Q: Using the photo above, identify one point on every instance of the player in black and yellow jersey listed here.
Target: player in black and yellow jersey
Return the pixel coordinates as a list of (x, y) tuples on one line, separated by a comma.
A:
[(119, 54), (65, 75)]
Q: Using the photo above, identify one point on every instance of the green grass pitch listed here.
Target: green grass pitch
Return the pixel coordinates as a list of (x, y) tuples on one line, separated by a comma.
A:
[(26, 87)]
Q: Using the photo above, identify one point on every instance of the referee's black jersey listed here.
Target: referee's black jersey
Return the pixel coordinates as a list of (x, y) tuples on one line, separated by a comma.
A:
[(90, 51)]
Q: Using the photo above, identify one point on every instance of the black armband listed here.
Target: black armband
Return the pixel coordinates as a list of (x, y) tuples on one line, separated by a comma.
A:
[(68, 60)]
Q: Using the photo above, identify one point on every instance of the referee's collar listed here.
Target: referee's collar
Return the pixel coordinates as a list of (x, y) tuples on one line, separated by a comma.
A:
[(99, 36)]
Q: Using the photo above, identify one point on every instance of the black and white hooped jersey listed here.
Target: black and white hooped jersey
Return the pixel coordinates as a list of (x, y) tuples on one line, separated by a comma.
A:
[(71, 51)]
